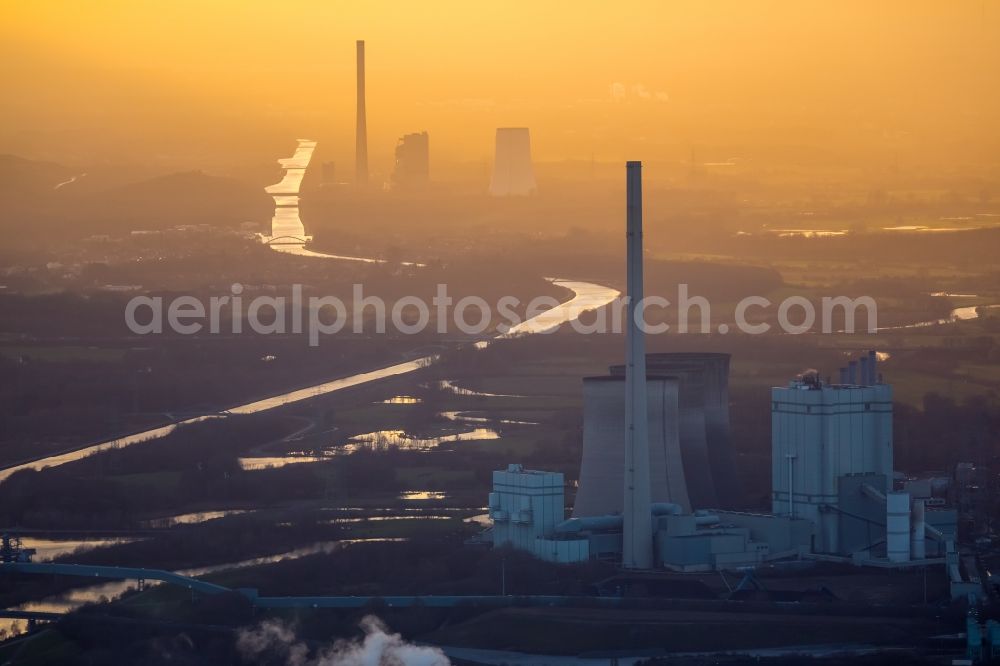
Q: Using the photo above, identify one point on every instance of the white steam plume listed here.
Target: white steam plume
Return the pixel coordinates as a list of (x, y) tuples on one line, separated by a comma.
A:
[(275, 640)]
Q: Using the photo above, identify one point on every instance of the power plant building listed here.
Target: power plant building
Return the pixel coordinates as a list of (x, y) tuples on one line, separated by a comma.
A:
[(649, 426), (658, 485), (412, 167), (690, 458), (603, 463), (513, 174), (832, 465), (821, 433), (703, 424), (526, 506)]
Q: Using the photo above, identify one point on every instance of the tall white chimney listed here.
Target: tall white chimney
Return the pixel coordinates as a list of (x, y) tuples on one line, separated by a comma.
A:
[(637, 536)]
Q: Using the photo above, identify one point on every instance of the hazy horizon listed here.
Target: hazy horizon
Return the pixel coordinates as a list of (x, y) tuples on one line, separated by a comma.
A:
[(186, 84)]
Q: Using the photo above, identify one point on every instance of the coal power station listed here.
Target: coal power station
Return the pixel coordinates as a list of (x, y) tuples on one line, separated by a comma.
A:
[(658, 486), (690, 460)]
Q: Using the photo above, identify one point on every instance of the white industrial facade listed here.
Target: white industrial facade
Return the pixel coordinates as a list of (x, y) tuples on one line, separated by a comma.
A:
[(525, 506), (819, 434)]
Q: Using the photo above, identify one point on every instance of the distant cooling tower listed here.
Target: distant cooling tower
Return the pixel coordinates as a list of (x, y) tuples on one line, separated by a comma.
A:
[(709, 465), (603, 464), (513, 174)]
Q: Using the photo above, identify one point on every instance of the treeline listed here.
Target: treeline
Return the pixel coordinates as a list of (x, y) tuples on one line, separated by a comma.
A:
[(196, 463), (56, 395), (945, 432), (438, 565)]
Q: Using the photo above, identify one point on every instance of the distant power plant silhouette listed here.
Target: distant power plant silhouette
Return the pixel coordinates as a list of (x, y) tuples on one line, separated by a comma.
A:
[(513, 174), (361, 131), (412, 161)]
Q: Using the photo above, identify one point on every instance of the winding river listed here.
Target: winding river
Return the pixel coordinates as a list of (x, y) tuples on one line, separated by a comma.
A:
[(587, 296), (964, 313), (288, 235)]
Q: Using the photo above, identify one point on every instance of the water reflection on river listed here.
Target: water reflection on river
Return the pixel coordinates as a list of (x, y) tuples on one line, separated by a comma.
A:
[(450, 386), (120, 443), (47, 550), (586, 297), (964, 313), (73, 599), (377, 440), (288, 234), (191, 518)]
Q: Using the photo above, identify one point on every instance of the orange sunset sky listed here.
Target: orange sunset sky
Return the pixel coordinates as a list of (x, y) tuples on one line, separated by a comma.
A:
[(212, 82)]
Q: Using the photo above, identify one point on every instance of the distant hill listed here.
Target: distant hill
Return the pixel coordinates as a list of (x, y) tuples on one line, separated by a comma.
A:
[(190, 197), (22, 176), (43, 197)]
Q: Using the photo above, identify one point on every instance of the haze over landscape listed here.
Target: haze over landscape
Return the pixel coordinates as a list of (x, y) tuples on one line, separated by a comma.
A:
[(866, 85), (321, 341)]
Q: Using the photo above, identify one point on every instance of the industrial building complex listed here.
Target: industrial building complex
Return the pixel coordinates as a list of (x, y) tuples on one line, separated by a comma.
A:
[(412, 167), (658, 488), (513, 172)]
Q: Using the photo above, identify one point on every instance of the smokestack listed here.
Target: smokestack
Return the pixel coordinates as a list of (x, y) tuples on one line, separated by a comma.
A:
[(852, 372), (872, 367), (864, 370), (361, 131), (637, 537)]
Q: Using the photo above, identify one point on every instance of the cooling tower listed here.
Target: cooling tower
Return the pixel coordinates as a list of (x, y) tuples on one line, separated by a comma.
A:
[(709, 464), (361, 129), (602, 469), (708, 375), (513, 174)]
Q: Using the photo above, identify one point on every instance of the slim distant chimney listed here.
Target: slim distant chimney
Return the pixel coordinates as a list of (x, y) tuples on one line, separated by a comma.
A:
[(852, 372), (361, 131), (863, 365), (637, 533), (872, 367)]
